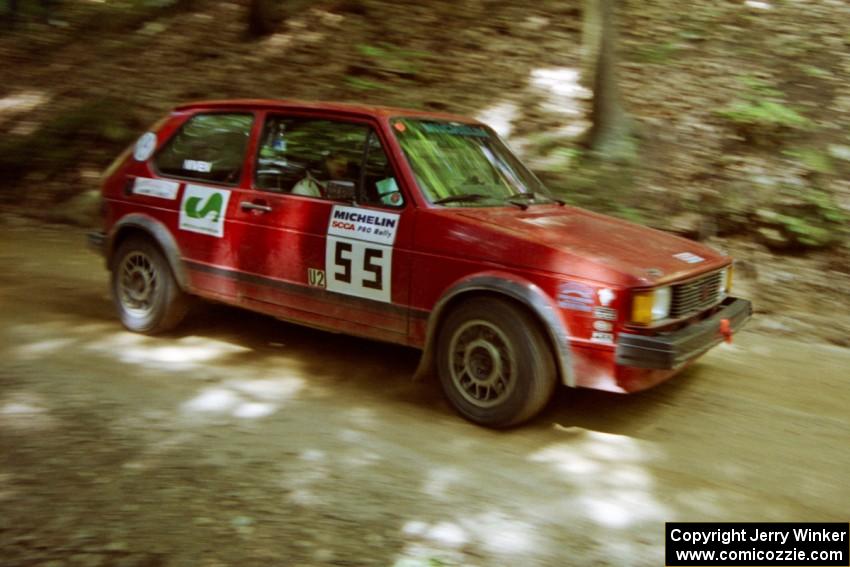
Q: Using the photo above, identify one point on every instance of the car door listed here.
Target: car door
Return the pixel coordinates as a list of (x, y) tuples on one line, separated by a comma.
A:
[(324, 227), (205, 162)]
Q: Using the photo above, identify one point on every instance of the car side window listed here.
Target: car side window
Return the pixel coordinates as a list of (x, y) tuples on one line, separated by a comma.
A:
[(311, 157), (208, 147), (379, 182)]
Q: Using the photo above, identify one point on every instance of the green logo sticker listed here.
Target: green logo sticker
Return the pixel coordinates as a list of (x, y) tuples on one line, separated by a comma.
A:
[(212, 205), (203, 210)]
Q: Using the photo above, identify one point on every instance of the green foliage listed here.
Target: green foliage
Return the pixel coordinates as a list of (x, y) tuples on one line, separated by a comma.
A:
[(388, 58), (362, 84), (811, 220), (565, 157), (660, 53), (553, 147), (826, 207), (815, 72), (598, 185), (761, 116), (812, 159), (803, 231), (764, 113), (757, 87)]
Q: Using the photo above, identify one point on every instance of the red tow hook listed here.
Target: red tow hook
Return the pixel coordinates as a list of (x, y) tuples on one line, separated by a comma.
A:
[(726, 330)]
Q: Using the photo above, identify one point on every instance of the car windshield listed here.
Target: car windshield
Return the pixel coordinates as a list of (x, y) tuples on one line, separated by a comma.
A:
[(465, 165)]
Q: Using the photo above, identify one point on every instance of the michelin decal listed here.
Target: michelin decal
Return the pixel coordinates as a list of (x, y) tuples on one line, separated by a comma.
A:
[(359, 252), (363, 224)]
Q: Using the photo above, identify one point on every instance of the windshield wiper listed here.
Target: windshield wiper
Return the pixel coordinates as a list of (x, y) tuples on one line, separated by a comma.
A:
[(465, 198), (531, 195)]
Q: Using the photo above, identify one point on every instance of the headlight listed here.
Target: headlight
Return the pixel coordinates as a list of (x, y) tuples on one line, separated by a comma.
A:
[(650, 306)]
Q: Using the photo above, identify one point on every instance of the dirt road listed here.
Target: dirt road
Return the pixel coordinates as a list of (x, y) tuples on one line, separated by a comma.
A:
[(240, 440)]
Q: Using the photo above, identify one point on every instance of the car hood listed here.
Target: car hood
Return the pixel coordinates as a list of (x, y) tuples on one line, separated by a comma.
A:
[(591, 244)]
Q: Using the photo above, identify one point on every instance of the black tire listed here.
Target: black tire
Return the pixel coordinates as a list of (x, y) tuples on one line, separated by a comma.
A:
[(146, 295), (494, 363)]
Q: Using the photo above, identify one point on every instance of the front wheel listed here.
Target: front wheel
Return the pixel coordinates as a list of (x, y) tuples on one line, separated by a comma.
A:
[(494, 363), (145, 292)]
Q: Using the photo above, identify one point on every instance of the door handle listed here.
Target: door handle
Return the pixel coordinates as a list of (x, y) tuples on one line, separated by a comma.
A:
[(260, 207)]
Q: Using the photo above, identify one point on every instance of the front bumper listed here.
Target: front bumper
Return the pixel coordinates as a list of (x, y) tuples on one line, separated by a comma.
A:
[(674, 349)]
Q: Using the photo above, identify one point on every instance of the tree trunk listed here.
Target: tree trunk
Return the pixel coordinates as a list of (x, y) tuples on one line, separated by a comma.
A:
[(610, 135), (263, 17)]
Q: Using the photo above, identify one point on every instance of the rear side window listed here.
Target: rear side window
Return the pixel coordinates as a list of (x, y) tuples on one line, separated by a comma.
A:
[(209, 147)]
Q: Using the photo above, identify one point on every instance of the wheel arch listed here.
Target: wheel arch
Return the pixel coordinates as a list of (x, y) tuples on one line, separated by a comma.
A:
[(505, 286), (157, 232)]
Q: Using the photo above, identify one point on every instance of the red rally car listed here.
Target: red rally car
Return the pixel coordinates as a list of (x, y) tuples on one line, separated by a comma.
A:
[(408, 227)]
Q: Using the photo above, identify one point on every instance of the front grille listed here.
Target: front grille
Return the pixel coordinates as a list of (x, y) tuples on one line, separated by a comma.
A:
[(696, 295)]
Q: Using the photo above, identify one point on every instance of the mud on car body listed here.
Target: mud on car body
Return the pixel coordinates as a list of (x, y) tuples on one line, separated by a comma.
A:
[(412, 228)]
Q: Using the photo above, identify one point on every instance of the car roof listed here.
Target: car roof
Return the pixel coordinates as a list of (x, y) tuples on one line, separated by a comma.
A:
[(334, 107)]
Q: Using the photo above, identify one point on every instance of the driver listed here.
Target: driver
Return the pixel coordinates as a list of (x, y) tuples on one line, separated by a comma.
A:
[(335, 164)]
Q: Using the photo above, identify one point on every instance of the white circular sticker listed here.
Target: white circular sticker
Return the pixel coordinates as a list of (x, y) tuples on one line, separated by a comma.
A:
[(145, 146), (602, 326)]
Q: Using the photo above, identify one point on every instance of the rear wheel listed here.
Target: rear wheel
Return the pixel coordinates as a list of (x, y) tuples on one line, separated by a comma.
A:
[(494, 363), (144, 290)]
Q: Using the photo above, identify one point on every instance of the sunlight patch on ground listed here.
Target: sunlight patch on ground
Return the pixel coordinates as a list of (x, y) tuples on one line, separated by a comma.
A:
[(560, 94), (446, 533), (609, 470), (495, 531), (561, 87), (358, 454), (500, 117), (220, 400), (19, 103), (439, 482), (275, 44), (254, 410), (563, 95), (25, 412), (244, 399), (272, 389), (41, 348), (434, 543), (363, 417), (616, 507), (297, 482), (360, 459), (174, 354), (502, 534), (304, 32), (328, 18), (156, 453)]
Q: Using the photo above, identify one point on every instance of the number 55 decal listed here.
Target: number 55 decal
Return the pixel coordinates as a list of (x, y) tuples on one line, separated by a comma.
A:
[(359, 268)]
